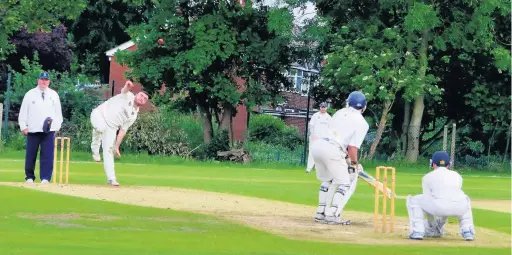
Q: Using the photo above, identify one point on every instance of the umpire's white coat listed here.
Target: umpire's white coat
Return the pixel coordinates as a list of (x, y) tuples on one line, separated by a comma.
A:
[(442, 197)]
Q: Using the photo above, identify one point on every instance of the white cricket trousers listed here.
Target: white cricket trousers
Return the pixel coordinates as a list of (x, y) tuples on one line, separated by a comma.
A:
[(420, 205), (103, 135)]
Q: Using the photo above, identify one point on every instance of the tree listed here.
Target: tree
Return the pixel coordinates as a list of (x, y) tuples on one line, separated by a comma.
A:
[(428, 27), (33, 15), (54, 50), (218, 53), (100, 27), (372, 54)]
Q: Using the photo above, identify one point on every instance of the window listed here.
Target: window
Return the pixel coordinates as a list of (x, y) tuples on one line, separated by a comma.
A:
[(298, 81)]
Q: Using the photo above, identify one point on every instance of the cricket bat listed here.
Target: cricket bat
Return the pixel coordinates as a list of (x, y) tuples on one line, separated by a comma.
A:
[(372, 181)]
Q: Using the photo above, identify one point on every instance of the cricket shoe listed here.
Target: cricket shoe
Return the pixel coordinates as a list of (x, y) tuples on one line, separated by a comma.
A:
[(44, 181), (29, 181), (333, 220), (320, 217), (96, 157), (416, 235), (468, 235), (113, 183)]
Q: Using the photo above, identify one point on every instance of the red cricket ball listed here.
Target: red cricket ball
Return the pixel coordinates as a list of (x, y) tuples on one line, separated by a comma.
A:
[(160, 41)]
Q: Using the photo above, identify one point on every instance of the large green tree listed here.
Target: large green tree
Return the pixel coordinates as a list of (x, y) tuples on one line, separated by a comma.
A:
[(209, 49), (429, 29)]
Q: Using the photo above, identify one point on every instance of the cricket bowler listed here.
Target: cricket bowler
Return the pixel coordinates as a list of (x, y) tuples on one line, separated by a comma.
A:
[(117, 113), (442, 198), (319, 128), (337, 173)]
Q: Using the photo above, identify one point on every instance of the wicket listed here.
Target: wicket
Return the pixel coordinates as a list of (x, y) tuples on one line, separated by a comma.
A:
[(55, 152), (384, 200)]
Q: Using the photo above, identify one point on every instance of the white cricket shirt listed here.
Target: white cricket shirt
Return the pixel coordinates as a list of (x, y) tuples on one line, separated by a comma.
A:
[(319, 124), (119, 111), (348, 127), (443, 183), (34, 110)]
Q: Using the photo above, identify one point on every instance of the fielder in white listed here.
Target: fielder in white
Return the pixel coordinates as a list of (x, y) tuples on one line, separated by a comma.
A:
[(337, 172), (318, 128), (442, 198), (117, 113)]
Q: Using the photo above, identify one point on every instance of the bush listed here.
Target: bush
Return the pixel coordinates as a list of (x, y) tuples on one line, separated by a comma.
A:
[(164, 132), (272, 130), (220, 142)]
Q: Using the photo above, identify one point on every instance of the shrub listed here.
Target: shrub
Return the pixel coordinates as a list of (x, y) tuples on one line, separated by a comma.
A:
[(151, 133), (272, 130), (220, 142)]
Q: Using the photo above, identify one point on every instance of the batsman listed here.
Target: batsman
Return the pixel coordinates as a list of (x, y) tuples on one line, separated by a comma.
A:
[(336, 162), (442, 198), (117, 113)]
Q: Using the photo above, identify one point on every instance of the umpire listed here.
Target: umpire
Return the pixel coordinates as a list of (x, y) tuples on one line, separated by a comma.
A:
[(39, 118)]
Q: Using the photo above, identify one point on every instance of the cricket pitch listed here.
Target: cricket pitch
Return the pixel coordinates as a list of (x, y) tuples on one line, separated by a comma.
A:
[(285, 219)]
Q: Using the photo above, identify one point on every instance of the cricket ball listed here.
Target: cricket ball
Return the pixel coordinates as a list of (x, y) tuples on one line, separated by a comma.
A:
[(160, 41)]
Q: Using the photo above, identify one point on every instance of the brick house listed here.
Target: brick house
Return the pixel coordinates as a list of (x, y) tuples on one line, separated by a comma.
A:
[(292, 110)]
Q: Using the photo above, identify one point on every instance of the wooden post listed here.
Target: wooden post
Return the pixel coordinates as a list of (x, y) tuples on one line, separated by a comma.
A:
[(453, 145), (445, 137)]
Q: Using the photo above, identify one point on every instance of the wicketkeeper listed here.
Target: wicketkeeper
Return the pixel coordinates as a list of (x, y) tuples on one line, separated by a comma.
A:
[(442, 198), (338, 173), (117, 113)]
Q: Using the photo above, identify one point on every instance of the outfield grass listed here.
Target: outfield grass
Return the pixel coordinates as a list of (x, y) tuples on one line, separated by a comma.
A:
[(133, 235), (124, 229)]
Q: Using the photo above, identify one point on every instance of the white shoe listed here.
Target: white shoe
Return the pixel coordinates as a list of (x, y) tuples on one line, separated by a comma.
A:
[(320, 217), (96, 157), (44, 181), (29, 181), (113, 183), (333, 220)]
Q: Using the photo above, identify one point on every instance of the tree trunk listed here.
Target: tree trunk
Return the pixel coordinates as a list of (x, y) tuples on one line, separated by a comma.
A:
[(413, 139), (508, 143), (413, 134), (206, 118), (380, 129), (405, 126), (225, 122)]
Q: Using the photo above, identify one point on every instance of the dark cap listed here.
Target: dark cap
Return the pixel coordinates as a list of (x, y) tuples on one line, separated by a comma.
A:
[(44, 75), (323, 105), (441, 158)]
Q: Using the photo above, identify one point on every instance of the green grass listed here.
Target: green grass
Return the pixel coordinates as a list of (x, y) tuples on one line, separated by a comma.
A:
[(292, 185), (135, 230)]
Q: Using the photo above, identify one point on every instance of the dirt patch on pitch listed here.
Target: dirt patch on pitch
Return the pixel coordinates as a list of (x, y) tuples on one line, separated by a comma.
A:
[(286, 219)]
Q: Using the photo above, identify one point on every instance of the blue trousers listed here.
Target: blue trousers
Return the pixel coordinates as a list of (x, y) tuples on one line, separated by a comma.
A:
[(46, 142)]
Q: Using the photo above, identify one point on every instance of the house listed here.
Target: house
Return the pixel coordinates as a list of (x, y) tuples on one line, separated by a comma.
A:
[(292, 110)]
